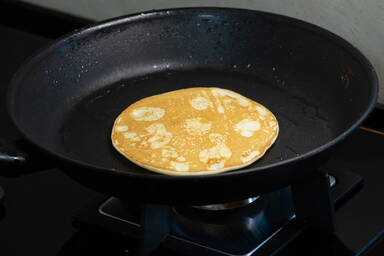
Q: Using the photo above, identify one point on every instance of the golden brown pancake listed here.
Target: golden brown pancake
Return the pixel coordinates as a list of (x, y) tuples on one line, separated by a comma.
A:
[(194, 131)]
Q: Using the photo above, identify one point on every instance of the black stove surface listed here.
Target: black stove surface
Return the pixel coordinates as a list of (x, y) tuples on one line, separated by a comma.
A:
[(38, 207)]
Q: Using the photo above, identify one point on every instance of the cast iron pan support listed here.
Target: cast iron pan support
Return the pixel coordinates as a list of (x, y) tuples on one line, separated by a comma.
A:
[(312, 202), (154, 227)]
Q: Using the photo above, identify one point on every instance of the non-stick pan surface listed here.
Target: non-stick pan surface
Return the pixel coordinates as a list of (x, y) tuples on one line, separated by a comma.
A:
[(65, 99)]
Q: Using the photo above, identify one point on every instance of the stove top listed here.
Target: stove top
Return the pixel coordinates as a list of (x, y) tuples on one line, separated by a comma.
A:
[(44, 213)]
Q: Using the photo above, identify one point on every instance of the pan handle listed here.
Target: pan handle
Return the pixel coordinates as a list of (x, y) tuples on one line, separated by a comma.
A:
[(16, 158)]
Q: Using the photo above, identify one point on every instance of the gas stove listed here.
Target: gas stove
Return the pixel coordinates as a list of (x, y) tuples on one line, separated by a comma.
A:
[(46, 213), (261, 225)]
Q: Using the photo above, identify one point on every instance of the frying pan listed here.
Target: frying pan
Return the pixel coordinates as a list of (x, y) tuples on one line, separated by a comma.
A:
[(64, 99)]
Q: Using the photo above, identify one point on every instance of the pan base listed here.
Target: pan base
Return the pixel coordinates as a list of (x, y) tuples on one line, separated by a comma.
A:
[(255, 228), (85, 133)]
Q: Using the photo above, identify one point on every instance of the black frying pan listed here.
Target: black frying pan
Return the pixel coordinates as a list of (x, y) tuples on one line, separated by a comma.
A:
[(64, 100)]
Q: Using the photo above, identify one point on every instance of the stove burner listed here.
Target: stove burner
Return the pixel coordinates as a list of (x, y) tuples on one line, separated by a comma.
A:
[(241, 203), (262, 227), (226, 206), (239, 231)]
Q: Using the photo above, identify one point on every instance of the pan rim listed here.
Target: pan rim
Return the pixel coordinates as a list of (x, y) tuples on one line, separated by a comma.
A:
[(80, 33)]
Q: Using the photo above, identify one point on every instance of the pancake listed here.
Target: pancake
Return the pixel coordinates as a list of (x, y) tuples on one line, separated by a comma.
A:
[(194, 131)]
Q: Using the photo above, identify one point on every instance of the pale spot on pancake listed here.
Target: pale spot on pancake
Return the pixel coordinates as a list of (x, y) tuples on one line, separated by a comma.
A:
[(220, 109), (217, 152), (169, 153), (216, 166), (122, 128), (161, 135), (216, 138), (227, 101), (147, 114), (247, 127), (158, 128), (206, 95), (271, 123), (117, 142), (200, 103), (261, 110), (248, 157), (219, 106), (261, 118), (158, 141), (241, 100), (181, 167), (181, 158), (194, 126), (118, 120), (132, 136), (225, 151)]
